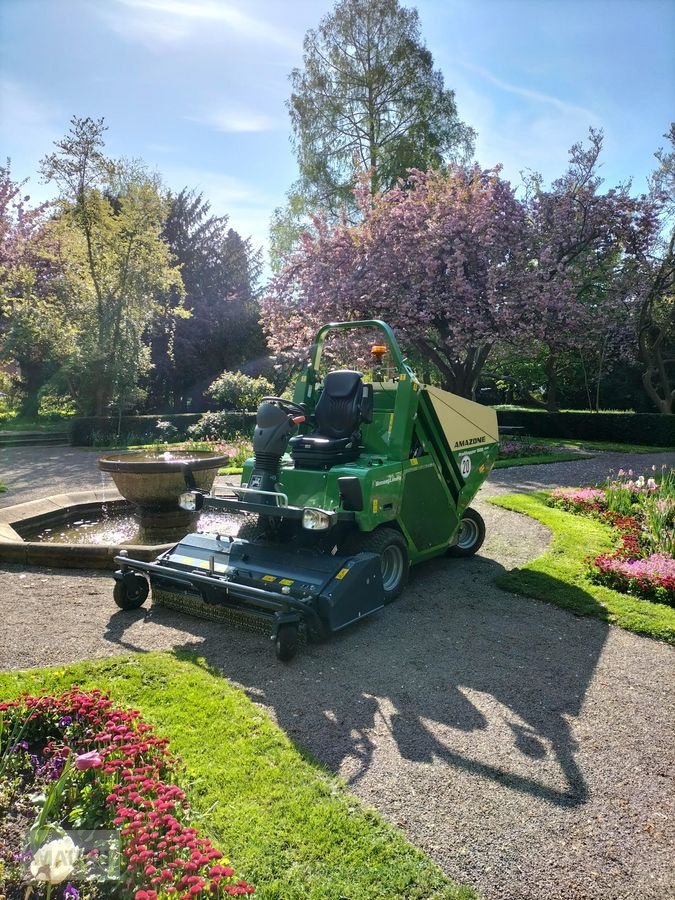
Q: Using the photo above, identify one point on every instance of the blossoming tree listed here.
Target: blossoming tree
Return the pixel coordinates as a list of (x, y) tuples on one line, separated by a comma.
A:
[(442, 257)]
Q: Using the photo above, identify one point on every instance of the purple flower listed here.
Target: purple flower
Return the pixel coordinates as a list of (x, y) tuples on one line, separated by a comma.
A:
[(70, 892), (65, 721), (90, 760)]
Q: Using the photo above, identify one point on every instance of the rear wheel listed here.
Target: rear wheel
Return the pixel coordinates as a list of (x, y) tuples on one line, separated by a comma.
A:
[(471, 534), (131, 593), (391, 547)]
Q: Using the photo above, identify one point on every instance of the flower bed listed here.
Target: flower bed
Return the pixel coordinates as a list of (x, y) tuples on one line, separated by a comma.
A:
[(76, 764), (516, 448), (642, 510)]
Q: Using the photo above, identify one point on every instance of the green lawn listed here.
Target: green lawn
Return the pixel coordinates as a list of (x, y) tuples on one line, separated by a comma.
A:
[(284, 822), (559, 576)]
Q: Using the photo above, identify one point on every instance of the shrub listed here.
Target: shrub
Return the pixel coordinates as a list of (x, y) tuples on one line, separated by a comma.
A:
[(221, 426), (621, 427), (237, 391), (88, 431), (166, 431)]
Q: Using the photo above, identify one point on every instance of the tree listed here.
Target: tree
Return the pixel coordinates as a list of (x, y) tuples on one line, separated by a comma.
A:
[(113, 214), (219, 271), (579, 246), (655, 277), (35, 311), (443, 258), (368, 99)]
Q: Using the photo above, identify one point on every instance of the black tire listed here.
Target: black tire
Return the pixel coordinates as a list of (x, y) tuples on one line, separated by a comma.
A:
[(471, 534), (287, 642), (392, 548), (128, 595)]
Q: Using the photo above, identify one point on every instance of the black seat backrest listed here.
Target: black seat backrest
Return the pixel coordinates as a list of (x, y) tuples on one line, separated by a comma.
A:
[(338, 412)]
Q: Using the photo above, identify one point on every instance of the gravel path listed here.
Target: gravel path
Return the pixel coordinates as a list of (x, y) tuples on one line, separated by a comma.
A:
[(528, 751)]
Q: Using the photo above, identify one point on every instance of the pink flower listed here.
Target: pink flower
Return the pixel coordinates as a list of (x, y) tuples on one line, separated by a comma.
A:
[(91, 760)]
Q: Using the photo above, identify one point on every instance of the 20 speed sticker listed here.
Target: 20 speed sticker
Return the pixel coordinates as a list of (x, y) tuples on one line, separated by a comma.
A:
[(465, 466)]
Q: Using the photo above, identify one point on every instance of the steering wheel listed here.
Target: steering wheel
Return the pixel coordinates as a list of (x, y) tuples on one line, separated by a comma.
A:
[(286, 405)]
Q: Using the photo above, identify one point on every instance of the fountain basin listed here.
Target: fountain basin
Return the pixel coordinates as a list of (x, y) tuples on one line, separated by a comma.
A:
[(155, 479), (25, 518)]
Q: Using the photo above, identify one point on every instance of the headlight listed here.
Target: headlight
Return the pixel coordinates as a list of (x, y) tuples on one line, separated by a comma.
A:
[(190, 501), (317, 519)]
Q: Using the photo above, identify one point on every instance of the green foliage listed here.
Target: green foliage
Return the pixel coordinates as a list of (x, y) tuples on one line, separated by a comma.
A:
[(220, 271), (237, 391), (624, 427), (85, 431), (222, 426), (111, 217), (560, 576), (368, 100), (293, 829), (56, 405)]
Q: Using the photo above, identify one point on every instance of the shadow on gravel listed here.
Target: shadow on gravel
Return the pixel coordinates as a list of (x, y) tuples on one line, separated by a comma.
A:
[(457, 674)]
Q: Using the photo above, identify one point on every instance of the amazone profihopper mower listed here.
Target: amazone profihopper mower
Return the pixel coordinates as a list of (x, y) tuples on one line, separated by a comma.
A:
[(352, 482)]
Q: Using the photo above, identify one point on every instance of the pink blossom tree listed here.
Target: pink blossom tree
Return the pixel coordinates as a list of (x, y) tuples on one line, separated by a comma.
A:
[(582, 242), (443, 258)]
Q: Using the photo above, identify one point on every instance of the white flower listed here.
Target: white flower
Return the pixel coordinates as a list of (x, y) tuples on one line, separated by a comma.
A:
[(54, 861)]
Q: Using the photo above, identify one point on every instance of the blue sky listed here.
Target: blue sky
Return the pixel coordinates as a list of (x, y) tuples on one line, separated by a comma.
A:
[(197, 88)]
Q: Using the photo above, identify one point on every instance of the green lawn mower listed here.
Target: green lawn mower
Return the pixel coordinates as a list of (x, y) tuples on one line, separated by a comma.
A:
[(354, 480)]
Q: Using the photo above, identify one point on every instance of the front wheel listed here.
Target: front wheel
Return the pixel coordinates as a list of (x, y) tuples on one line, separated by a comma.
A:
[(392, 548), (131, 592), (287, 642), (471, 534)]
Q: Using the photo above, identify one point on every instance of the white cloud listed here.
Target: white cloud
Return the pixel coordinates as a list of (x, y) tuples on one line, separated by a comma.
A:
[(568, 109), (535, 134), (237, 120), (175, 21)]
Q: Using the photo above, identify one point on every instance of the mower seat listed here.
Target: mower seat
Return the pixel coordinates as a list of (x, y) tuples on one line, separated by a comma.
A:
[(338, 415)]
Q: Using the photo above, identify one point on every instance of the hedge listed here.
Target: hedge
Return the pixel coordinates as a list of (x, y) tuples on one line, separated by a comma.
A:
[(143, 429), (620, 427)]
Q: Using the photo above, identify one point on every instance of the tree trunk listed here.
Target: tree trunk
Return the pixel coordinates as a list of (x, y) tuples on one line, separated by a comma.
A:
[(32, 379), (551, 384)]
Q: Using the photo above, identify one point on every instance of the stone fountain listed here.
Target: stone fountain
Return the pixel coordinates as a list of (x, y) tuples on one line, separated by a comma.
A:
[(153, 482), (148, 486)]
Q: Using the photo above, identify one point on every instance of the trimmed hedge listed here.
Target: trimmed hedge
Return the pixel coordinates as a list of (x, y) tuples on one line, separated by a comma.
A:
[(143, 429), (620, 427)]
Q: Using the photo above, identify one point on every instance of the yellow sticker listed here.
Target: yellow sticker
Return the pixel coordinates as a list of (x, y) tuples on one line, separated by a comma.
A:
[(376, 504), (402, 377), (341, 574), (269, 578), (414, 461), (286, 581), (391, 421)]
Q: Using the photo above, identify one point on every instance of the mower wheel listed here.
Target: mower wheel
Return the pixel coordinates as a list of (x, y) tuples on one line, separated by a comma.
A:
[(287, 642), (250, 530), (392, 548), (131, 595), (471, 534)]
